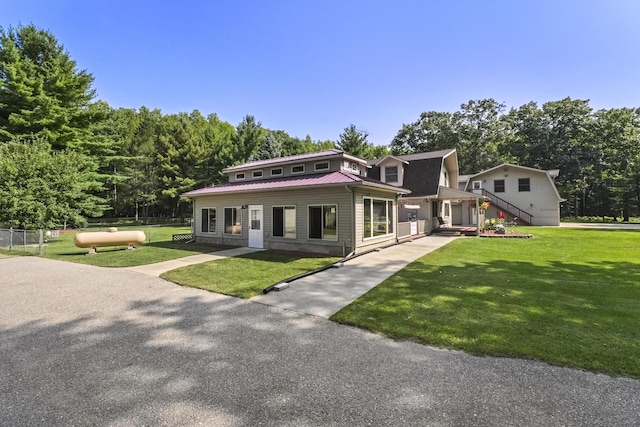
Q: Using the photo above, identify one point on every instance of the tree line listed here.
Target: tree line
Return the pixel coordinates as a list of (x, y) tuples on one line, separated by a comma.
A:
[(597, 152), (65, 156)]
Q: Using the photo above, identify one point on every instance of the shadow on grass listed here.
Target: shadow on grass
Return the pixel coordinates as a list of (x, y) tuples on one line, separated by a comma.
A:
[(281, 256), (572, 314)]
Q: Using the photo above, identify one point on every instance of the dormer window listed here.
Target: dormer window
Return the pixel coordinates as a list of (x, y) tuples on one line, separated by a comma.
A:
[(297, 169), (257, 174), (240, 176), (276, 172), (391, 174), (321, 166)]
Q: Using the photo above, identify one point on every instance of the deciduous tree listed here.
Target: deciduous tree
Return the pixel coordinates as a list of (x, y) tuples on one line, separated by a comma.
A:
[(42, 188)]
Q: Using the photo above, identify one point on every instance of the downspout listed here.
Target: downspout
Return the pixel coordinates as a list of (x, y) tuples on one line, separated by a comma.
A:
[(353, 219), (395, 217)]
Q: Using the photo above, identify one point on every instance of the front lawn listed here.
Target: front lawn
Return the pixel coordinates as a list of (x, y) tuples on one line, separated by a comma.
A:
[(245, 276), (160, 248), (567, 297)]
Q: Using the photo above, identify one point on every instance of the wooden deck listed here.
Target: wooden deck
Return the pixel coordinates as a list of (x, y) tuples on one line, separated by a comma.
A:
[(456, 231), (471, 231), (507, 235)]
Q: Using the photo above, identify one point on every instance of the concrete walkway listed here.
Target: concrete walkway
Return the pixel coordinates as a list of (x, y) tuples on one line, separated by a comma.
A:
[(162, 267), (327, 292)]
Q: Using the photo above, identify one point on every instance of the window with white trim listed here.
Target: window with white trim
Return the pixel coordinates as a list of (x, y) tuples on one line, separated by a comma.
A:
[(297, 169), (257, 174), (377, 218), (284, 221), (240, 176), (276, 172), (322, 166), (233, 220), (391, 174), (323, 222), (208, 220)]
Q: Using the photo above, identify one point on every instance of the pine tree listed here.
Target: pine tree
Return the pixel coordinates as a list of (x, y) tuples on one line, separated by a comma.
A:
[(269, 148), (41, 90)]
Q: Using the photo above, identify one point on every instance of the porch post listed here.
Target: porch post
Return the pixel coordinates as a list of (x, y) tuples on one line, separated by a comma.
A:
[(477, 217)]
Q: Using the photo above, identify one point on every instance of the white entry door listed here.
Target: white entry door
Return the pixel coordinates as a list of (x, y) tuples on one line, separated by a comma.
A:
[(256, 234)]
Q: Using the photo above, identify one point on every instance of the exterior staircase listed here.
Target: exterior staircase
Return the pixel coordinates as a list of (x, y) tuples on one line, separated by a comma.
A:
[(502, 205)]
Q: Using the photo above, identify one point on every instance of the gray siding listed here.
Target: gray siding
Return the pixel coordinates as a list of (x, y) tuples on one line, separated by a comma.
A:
[(541, 201), (309, 169), (348, 239), (301, 199), (361, 242)]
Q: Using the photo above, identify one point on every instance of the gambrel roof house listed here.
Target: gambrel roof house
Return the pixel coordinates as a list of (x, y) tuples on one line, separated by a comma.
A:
[(432, 178), (320, 202), (521, 192)]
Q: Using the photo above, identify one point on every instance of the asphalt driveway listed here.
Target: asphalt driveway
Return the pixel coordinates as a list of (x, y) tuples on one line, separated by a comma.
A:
[(83, 345)]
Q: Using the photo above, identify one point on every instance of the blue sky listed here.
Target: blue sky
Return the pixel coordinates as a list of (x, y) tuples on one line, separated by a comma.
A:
[(315, 67)]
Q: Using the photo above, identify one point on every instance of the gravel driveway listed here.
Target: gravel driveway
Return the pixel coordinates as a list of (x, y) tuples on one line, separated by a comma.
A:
[(83, 345)]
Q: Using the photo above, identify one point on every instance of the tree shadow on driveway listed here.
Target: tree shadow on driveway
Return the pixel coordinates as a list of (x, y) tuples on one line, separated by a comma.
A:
[(83, 345)]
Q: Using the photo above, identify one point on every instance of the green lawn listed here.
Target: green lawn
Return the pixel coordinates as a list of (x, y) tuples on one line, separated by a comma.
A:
[(567, 297), (247, 275), (159, 249)]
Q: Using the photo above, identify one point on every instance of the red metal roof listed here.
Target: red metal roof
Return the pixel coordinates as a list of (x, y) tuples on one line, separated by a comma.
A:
[(332, 178)]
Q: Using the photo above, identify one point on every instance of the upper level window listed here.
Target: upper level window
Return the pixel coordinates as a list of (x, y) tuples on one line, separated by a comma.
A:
[(524, 184), (321, 166), (276, 172), (498, 186), (239, 176), (477, 185), (257, 174), (297, 169), (391, 174)]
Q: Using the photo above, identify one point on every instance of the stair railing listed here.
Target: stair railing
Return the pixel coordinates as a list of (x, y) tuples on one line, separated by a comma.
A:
[(499, 202)]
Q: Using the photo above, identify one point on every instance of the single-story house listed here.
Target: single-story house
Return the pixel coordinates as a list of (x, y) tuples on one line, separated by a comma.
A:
[(320, 202), (521, 192)]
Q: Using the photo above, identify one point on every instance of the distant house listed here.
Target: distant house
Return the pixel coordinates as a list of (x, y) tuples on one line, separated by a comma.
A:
[(528, 194), (320, 202), (432, 178)]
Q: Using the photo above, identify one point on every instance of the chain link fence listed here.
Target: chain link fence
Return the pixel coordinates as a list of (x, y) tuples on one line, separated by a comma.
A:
[(27, 241), (35, 241)]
